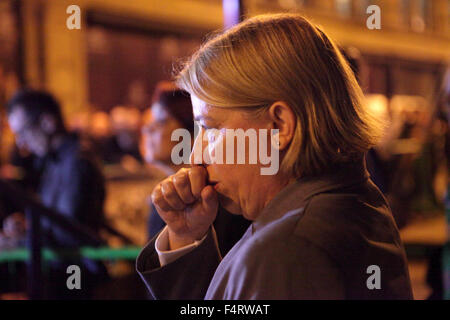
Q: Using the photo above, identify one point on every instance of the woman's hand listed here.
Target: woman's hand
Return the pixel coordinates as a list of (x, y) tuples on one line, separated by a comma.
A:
[(187, 204)]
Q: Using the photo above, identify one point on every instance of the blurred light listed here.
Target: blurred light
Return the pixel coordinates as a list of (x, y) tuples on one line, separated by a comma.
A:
[(125, 118), (417, 24), (97, 41), (79, 121), (137, 93), (169, 49), (100, 124), (344, 7), (377, 105), (290, 4), (405, 103), (231, 12)]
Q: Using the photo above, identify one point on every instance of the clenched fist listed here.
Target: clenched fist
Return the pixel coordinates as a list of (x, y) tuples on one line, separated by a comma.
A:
[(187, 204)]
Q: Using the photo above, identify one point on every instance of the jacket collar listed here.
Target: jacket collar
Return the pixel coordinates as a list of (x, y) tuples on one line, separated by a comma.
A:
[(67, 145), (295, 195)]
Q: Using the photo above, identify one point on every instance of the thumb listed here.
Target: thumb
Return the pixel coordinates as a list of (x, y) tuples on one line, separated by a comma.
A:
[(210, 201)]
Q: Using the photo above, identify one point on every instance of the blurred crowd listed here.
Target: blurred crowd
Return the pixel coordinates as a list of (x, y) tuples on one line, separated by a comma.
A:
[(66, 166), (115, 133), (410, 164)]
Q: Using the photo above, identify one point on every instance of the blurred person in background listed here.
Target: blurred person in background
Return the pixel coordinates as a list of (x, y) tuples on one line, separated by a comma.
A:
[(71, 183), (101, 132), (171, 109), (404, 162), (126, 124), (437, 276)]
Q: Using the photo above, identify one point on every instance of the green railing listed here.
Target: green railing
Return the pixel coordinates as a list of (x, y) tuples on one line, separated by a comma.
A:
[(98, 253)]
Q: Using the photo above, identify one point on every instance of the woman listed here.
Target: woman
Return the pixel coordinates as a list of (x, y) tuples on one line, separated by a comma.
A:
[(171, 109), (320, 228)]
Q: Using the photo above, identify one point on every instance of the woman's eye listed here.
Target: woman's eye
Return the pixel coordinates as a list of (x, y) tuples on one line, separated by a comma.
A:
[(213, 136)]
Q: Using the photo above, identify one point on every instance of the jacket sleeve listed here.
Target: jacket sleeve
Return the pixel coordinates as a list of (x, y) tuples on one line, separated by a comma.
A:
[(187, 278)]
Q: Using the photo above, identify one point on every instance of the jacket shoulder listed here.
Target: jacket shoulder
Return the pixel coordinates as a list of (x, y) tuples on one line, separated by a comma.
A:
[(349, 219), (357, 230)]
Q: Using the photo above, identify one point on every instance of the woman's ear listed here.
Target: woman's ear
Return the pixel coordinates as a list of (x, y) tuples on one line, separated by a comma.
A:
[(283, 119)]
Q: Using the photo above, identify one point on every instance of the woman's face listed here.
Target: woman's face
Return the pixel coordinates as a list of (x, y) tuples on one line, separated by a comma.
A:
[(157, 135), (241, 187)]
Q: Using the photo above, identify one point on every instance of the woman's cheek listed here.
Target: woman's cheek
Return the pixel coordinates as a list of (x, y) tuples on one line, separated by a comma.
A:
[(216, 147)]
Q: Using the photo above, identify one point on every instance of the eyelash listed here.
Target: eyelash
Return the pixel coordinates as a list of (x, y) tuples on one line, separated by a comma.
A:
[(205, 127)]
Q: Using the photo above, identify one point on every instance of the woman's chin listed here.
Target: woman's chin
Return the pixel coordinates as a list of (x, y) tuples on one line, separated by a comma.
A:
[(229, 205)]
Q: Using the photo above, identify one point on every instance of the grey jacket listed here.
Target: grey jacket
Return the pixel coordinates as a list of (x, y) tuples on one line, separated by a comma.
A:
[(317, 239)]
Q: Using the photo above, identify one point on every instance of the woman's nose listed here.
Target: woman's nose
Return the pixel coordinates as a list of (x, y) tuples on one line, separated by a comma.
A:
[(199, 153), (196, 153)]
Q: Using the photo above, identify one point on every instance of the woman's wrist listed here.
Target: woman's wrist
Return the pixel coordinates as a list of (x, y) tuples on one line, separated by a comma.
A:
[(177, 241)]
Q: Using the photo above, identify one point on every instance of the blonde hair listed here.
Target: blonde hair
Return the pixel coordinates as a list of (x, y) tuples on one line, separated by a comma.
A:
[(284, 57)]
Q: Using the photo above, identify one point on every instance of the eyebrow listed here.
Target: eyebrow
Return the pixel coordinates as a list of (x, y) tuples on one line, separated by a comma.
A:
[(199, 118)]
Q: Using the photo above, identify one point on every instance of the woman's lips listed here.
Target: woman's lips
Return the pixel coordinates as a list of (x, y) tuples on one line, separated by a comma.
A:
[(214, 184)]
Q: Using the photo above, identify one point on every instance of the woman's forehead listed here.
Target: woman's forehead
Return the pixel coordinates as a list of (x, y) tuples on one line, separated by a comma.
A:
[(199, 107), (217, 115), (204, 111)]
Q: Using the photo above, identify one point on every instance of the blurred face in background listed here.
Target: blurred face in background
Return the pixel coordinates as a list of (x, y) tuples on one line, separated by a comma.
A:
[(126, 123), (35, 136), (157, 134)]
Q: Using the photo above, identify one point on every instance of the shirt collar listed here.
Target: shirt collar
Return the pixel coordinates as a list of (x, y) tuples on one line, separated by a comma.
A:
[(295, 195)]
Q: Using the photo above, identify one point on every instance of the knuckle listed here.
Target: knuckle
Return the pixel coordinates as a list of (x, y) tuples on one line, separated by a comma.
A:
[(161, 203), (156, 193), (181, 180), (183, 170), (155, 197), (167, 188), (196, 171), (158, 199), (187, 197)]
